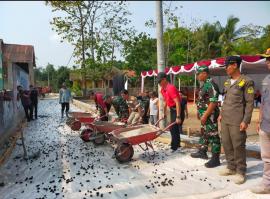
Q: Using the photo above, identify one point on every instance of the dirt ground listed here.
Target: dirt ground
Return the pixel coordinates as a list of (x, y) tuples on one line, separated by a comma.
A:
[(194, 124)]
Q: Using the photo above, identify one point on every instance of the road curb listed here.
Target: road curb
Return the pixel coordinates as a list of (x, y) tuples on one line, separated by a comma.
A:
[(12, 143)]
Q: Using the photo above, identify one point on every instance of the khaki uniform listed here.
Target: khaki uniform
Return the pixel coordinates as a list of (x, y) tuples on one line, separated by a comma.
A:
[(237, 108)]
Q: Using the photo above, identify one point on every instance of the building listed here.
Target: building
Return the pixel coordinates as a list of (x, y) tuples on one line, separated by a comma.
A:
[(104, 84), (16, 68)]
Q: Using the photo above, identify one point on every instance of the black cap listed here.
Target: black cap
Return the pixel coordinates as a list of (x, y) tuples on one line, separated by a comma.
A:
[(232, 60), (124, 91), (160, 76)]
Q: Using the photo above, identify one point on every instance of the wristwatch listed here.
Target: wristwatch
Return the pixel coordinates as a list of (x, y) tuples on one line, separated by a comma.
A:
[(178, 117)]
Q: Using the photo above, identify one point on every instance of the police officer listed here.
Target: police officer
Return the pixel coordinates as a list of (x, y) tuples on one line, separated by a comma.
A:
[(264, 131), (235, 117), (208, 112), (120, 105)]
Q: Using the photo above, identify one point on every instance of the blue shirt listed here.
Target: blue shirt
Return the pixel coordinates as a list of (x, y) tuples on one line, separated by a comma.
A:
[(64, 95)]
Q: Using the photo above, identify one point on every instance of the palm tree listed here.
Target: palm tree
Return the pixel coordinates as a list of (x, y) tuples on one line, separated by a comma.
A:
[(207, 41), (229, 35)]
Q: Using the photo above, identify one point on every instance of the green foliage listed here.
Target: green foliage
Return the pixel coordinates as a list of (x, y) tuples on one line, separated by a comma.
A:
[(54, 77), (140, 53), (97, 29), (76, 89)]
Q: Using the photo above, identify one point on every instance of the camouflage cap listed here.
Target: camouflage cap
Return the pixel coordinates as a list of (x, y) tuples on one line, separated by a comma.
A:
[(202, 69)]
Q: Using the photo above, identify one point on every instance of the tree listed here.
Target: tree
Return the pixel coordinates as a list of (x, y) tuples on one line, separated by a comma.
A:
[(140, 53), (265, 39), (72, 27), (115, 30), (229, 35), (95, 29), (206, 40), (63, 76)]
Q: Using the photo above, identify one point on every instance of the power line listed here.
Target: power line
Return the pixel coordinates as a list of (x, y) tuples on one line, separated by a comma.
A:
[(70, 58)]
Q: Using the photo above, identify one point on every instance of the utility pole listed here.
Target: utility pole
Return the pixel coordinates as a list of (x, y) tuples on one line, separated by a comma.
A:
[(160, 54)]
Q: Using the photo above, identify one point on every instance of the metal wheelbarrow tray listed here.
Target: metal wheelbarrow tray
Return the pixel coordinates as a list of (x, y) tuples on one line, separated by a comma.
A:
[(75, 119), (82, 118), (101, 129), (125, 138)]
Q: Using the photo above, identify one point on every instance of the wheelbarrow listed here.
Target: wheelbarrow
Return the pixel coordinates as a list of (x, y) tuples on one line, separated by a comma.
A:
[(73, 116), (125, 138), (76, 124), (101, 129)]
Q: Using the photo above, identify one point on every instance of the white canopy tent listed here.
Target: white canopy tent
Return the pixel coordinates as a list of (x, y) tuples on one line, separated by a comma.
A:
[(251, 64)]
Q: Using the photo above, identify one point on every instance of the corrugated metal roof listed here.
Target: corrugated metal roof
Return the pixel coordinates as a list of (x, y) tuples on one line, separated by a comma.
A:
[(19, 53)]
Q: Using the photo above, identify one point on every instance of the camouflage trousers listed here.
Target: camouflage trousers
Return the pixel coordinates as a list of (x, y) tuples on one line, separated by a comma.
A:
[(123, 113), (209, 136)]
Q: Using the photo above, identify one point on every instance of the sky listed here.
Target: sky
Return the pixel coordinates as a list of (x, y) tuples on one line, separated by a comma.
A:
[(28, 22)]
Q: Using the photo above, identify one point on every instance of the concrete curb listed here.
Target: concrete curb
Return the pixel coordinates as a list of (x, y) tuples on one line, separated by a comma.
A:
[(13, 139), (188, 144), (184, 142)]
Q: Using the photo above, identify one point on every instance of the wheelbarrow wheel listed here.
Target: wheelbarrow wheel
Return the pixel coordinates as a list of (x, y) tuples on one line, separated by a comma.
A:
[(69, 121), (76, 125), (86, 135), (100, 139), (124, 152)]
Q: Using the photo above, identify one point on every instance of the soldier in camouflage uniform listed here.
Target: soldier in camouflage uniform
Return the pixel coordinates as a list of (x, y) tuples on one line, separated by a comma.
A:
[(120, 105), (208, 113)]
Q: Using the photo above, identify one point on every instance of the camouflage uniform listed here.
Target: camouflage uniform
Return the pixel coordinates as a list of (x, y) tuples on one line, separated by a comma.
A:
[(209, 93), (121, 107)]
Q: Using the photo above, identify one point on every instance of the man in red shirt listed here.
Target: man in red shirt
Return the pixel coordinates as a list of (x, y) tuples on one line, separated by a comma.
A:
[(101, 105), (172, 99)]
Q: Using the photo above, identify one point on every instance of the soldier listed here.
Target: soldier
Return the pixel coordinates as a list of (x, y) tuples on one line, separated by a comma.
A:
[(264, 131), (208, 112), (120, 105), (235, 117)]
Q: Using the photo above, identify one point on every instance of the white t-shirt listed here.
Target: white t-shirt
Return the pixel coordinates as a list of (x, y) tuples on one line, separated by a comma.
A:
[(153, 106)]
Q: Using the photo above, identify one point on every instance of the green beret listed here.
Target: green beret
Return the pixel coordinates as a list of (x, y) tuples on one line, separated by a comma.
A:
[(202, 69)]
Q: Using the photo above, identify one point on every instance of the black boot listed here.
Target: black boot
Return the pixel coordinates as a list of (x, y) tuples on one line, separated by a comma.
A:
[(62, 114), (201, 153), (213, 162)]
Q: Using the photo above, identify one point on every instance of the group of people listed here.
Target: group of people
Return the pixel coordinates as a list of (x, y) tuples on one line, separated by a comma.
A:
[(142, 109), (234, 115), (29, 100), (129, 109)]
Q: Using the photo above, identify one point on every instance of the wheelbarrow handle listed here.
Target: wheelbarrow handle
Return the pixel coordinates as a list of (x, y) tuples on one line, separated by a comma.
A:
[(159, 121), (98, 118), (169, 126), (166, 128)]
